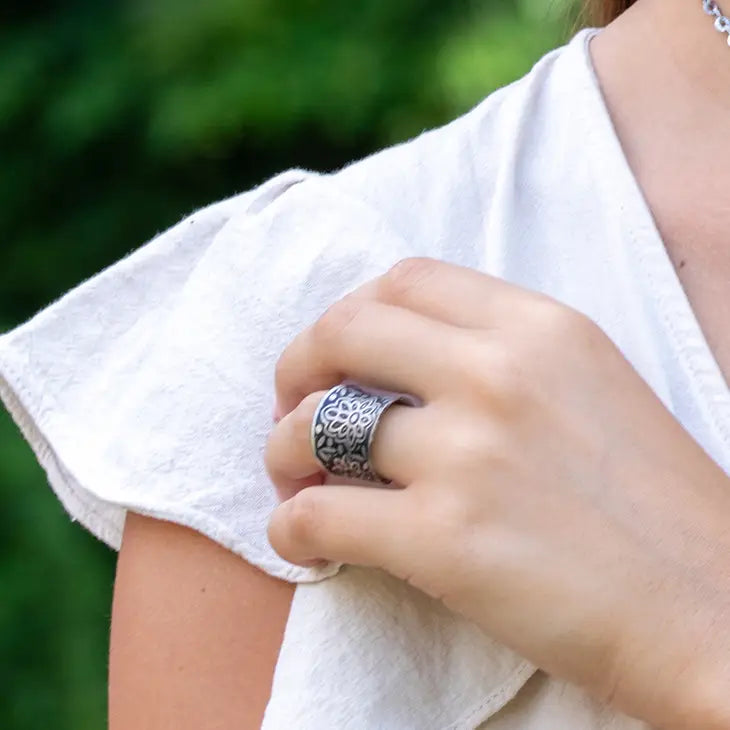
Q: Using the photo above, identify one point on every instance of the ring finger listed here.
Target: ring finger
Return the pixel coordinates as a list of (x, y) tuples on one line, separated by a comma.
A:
[(396, 451)]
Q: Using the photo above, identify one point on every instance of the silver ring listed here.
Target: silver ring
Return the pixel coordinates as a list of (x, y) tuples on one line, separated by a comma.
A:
[(343, 427)]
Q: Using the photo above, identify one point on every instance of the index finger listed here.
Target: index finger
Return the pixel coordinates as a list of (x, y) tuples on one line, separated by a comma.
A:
[(451, 293), (376, 345)]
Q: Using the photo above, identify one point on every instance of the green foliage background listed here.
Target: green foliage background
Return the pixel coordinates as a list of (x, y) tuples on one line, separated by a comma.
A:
[(119, 117)]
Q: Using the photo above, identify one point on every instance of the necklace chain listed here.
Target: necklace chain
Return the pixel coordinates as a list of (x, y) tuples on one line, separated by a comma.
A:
[(721, 22)]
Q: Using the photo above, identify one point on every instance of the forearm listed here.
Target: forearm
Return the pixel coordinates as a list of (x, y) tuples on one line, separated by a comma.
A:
[(672, 666)]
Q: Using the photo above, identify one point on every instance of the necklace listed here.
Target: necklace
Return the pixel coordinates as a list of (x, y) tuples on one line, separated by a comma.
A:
[(721, 22)]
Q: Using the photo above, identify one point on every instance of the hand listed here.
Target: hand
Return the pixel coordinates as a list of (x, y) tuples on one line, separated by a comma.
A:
[(548, 495)]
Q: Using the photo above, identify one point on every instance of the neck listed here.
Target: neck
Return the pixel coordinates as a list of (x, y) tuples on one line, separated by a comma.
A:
[(674, 44), (665, 72)]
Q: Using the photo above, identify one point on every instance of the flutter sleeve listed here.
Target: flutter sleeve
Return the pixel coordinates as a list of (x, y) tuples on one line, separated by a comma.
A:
[(149, 387)]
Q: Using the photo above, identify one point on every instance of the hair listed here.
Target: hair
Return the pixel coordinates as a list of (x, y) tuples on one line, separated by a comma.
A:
[(602, 12)]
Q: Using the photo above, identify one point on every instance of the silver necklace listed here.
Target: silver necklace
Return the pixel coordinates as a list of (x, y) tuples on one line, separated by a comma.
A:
[(721, 22)]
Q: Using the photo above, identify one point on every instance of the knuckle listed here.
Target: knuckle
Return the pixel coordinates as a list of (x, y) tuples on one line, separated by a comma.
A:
[(301, 417), (285, 367), (475, 446), (280, 367), (465, 445), (270, 455), (405, 277), (336, 320), (274, 460), (500, 375), (557, 322), (587, 332), (304, 517), (561, 328), (447, 514), (290, 437)]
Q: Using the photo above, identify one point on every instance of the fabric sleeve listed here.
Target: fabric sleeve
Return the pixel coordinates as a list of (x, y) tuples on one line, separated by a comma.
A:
[(149, 387)]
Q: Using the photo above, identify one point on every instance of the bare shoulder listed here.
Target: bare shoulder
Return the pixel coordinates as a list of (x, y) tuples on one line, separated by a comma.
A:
[(196, 632)]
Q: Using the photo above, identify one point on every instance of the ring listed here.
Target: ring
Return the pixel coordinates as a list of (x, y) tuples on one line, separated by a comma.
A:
[(343, 427)]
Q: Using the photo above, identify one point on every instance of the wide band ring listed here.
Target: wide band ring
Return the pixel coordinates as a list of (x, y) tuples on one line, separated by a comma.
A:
[(343, 427)]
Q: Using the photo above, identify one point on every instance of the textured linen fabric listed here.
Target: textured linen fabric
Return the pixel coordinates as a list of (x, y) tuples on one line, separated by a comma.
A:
[(150, 386)]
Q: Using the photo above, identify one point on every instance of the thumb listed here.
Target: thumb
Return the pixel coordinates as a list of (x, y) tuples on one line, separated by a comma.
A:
[(366, 526)]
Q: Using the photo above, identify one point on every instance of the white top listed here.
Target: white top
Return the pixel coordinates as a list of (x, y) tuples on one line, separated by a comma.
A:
[(150, 386)]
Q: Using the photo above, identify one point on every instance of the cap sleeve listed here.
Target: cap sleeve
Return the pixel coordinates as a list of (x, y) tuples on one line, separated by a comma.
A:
[(149, 387)]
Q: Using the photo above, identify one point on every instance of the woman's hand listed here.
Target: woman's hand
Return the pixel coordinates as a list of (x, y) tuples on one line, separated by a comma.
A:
[(548, 495)]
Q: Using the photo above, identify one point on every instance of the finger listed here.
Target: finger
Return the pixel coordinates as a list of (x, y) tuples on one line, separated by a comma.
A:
[(346, 524), (396, 451), (374, 344), (456, 295), (289, 459)]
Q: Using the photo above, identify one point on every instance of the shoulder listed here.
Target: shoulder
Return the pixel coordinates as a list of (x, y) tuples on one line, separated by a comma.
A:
[(437, 190), (427, 192), (186, 329)]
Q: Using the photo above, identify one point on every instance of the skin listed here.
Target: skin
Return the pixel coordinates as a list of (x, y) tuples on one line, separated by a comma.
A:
[(209, 657), (195, 633), (672, 119), (512, 487)]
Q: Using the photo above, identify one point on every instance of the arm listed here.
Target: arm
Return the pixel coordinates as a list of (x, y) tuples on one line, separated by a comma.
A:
[(195, 634)]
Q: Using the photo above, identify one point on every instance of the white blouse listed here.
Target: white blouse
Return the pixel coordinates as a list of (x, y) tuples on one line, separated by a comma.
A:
[(149, 386)]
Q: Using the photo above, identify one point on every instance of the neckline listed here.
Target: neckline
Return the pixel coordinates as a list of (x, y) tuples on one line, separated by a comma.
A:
[(711, 390)]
